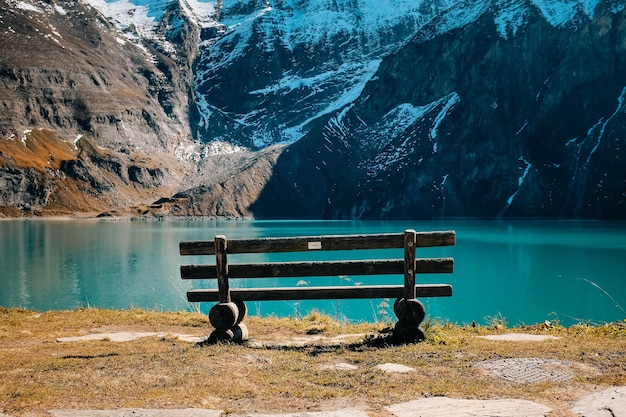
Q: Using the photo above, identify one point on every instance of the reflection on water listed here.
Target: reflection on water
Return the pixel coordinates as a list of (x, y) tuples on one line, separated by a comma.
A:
[(527, 272)]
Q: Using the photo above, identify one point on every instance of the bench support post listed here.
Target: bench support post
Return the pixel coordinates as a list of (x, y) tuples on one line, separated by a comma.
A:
[(226, 316), (221, 265), (409, 311), (409, 264)]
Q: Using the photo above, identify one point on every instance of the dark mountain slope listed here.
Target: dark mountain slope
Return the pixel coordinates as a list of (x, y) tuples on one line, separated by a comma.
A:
[(482, 120)]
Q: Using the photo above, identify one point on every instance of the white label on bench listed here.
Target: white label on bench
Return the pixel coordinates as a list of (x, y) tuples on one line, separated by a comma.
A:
[(315, 245)]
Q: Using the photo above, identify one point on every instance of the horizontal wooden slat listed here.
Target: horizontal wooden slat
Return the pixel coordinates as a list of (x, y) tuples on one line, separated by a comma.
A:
[(320, 293), (319, 268), (297, 244), (197, 248), (314, 243)]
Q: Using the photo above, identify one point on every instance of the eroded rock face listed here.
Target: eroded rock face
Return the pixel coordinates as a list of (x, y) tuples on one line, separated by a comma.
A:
[(70, 79), (40, 174), (65, 68), (227, 186)]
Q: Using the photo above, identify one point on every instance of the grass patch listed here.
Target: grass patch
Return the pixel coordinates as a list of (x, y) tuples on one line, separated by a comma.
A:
[(37, 373)]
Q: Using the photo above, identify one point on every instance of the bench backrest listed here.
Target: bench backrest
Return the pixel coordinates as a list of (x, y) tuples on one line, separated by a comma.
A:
[(407, 266)]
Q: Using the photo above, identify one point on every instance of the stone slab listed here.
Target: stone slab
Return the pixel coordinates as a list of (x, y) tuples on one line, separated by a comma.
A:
[(608, 403), (347, 412), (128, 337), (529, 370), (310, 340), (341, 366), (452, 407), (394, 368)]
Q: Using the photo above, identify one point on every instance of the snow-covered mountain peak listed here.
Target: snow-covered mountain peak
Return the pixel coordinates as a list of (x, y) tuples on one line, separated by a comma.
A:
[(141, 17), (303, 60)]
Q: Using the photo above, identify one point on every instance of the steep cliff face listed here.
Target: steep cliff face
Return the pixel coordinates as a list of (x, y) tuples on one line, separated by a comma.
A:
[(65, 67), (493, 110)]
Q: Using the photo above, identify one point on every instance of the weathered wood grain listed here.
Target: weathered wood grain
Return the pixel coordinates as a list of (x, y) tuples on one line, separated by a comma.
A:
[(409, 264), (319, 268), (316, 243), (221, 268)]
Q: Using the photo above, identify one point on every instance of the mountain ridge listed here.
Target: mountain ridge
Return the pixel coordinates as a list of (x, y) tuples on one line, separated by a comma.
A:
[(342, 110)]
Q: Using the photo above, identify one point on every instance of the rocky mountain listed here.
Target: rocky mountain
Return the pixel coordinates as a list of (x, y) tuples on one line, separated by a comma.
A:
[(87, 116), (318, 108)]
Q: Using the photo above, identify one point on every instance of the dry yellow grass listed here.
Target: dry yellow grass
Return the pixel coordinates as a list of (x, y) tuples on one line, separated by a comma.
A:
[(37, 373), (40, 149)]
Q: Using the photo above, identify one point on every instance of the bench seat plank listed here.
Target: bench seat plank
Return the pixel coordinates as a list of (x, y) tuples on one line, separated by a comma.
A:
[(319, 268), (320, 293)]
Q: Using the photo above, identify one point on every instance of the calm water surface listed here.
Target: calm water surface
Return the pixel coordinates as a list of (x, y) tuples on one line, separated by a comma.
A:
[(525, 272)]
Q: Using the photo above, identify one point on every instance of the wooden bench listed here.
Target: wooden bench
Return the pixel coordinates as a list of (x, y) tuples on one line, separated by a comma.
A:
[(227, 315)]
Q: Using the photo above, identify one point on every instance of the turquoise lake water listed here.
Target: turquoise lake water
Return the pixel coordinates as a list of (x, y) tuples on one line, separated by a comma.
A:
[(523, 271)]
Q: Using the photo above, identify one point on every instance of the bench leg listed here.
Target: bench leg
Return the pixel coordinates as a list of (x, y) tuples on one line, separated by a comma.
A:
[(243, 310), (407, 334), (226, 318), (410, 314), (236, 334)]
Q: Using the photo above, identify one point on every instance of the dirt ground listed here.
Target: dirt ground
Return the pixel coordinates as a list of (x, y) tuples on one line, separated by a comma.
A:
[(108, 360)]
